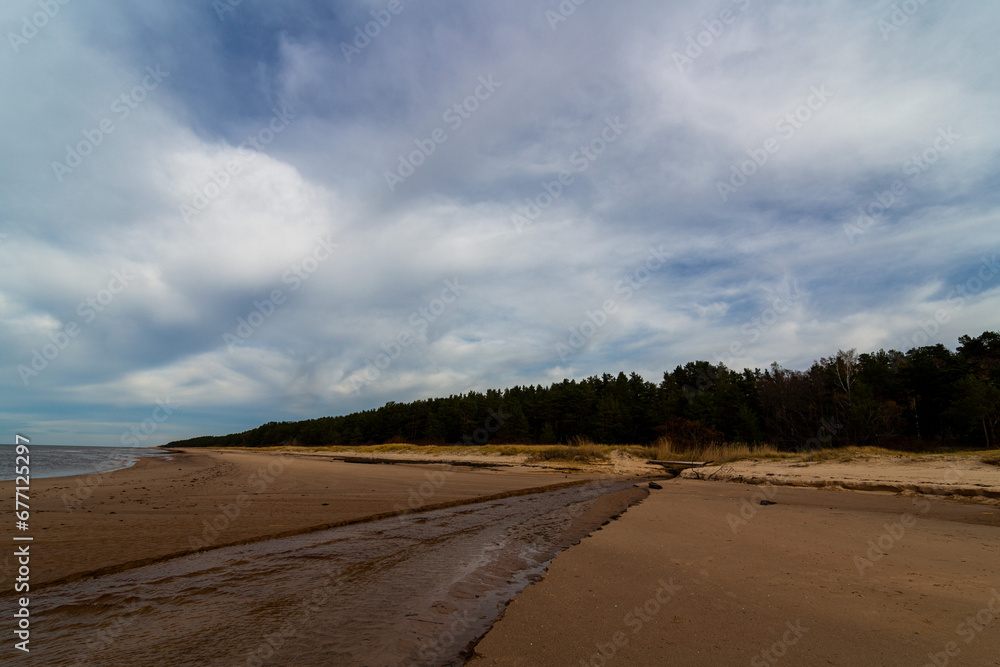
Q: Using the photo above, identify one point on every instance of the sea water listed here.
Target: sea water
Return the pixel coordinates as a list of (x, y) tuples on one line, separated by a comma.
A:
[(60, 461)]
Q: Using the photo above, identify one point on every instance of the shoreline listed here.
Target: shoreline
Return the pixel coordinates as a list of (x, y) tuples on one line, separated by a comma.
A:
[(160, 452), (198, 500)]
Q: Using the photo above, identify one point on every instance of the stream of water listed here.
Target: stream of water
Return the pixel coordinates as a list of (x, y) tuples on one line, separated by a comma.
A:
[(418, 589)]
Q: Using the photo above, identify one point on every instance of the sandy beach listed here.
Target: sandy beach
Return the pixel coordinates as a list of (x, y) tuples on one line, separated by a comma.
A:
[(110, 521), (699, 572)]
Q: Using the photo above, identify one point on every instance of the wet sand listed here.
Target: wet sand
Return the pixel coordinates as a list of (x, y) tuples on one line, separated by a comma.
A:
[(414, 590), (106, 522), (701, 574)]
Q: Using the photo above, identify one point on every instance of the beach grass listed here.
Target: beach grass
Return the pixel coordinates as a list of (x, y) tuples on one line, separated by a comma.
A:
[(848, 454), (716, 452), (571, 453), (582, 451)]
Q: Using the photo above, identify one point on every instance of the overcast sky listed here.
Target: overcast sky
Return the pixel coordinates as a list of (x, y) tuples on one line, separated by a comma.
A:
[(254, 211)]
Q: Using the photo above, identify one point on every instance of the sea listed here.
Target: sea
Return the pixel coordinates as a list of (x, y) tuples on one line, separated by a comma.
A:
[(60, 461)]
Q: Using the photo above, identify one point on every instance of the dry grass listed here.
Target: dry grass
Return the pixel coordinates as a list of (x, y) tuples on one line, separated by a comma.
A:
[(717, 453), (392, 448), (582, 450), (570, 453), (503, 450), (645, 453), (847, 454)]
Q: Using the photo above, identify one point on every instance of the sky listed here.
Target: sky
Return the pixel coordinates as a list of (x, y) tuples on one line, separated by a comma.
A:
[(219, 214)]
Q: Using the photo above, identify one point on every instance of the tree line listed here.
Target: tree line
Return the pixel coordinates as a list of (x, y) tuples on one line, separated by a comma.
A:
[(927, 397)]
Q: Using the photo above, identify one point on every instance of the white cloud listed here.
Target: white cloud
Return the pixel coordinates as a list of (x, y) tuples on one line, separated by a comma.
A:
[(322, 176)]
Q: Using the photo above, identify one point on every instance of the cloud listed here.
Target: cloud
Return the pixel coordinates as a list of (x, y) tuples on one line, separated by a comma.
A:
[(254, 162)]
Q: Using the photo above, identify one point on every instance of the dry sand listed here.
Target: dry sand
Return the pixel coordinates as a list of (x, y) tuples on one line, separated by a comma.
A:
[(160, 507), (701, 574), (617, 463), (939, 475)]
